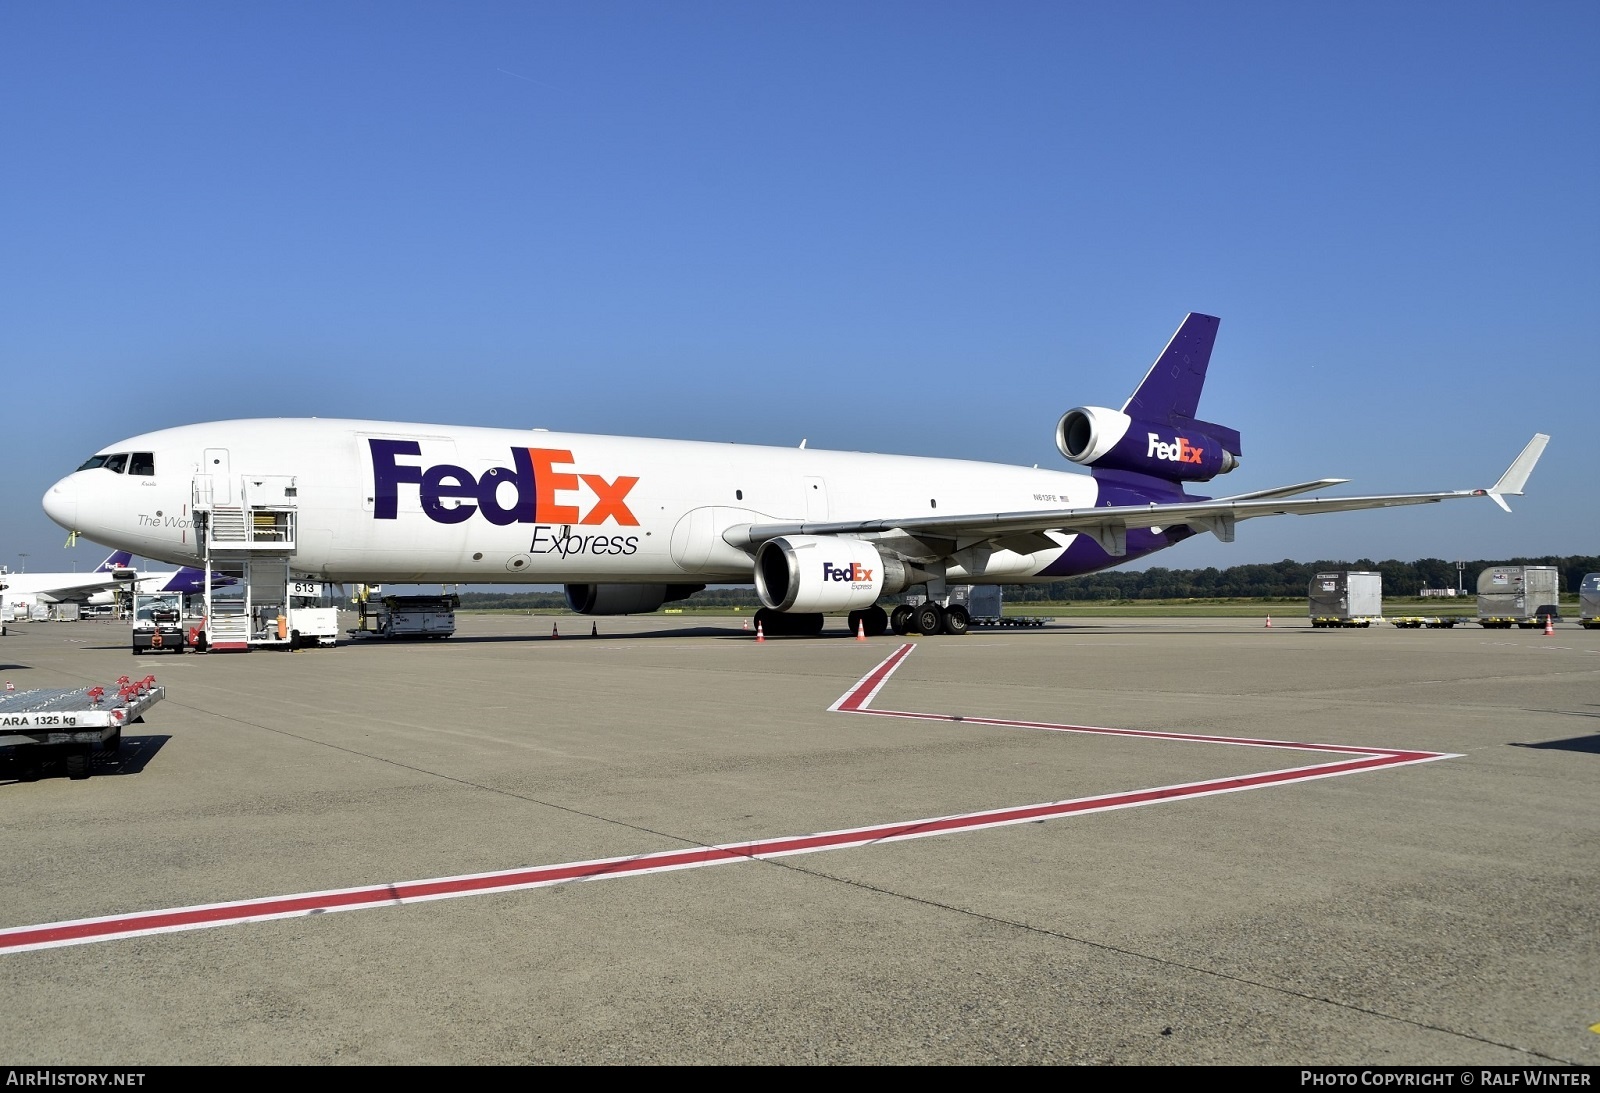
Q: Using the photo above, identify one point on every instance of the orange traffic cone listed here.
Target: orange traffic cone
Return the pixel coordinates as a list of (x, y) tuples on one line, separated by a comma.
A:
[(554, 633), (1269, 622), (861, 630), (1549, 626), (746, 625), (594, 629), (760, 634)]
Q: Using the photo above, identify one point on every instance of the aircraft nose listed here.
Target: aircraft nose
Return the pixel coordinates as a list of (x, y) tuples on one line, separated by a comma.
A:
[(61, 503)]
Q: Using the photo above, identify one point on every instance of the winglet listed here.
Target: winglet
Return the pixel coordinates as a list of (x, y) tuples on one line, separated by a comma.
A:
[(1516, 475)]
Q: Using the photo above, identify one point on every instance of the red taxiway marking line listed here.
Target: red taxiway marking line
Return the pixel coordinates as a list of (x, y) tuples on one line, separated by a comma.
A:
[(857, 700)]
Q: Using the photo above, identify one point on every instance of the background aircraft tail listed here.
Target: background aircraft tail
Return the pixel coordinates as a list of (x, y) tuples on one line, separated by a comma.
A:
[(118, 559)]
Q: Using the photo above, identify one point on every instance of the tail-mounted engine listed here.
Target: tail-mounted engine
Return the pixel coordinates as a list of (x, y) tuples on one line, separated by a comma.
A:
[(810, 573), (1097, 437)]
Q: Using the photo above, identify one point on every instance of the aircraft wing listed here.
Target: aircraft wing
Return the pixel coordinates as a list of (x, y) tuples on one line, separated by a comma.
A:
[(1108, 526)]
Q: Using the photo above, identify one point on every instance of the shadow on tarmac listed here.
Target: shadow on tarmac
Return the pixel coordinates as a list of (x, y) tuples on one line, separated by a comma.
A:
[(22, 763), (1589, 744)]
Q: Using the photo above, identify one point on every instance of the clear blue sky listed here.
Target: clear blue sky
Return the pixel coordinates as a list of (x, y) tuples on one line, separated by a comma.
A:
[(906, 227)]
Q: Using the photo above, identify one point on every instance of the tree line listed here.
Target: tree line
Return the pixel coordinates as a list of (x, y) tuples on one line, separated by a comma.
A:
[(1287, 579)]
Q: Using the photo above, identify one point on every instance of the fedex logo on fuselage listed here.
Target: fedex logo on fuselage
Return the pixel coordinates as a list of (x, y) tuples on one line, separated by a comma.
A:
[(1179, 451), (539, 493), (853, 572)]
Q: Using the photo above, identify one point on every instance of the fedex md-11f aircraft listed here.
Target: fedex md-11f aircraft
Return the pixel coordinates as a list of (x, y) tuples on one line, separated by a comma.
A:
[(627, 524)]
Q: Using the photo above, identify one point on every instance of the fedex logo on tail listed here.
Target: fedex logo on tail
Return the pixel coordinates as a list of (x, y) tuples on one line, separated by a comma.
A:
[(539, 493), (854, 572), (1179, 451)]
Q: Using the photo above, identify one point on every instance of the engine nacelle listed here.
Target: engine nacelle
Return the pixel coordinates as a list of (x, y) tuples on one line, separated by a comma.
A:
[(625, 599), (1098, 437), (810, 573)]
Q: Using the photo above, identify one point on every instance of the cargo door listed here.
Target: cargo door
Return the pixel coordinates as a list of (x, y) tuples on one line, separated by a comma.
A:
[(216, 465)]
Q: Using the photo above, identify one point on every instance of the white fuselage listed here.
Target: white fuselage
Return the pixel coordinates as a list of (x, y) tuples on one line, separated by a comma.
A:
[(392, 502), (29, 589)]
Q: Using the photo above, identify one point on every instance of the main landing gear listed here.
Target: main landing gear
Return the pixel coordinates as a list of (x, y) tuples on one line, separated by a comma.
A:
[(925, 618), (874, 621), (929, 618)]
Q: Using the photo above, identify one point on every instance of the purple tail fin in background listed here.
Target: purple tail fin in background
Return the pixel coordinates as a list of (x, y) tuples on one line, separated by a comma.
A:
[(1170, 392), (120, 559)]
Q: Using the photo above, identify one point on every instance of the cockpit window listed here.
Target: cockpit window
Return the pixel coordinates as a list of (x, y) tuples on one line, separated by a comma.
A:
[(143, 463), (118, 463), (94, 462)]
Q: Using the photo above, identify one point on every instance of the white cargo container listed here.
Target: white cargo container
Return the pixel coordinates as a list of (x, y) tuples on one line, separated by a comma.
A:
[(1518, 595), (1589, 601), (1349, 597)]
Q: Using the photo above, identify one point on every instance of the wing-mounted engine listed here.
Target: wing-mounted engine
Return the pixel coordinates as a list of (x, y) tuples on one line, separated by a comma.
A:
[(625, 599), (810, 573), (1195, 451)]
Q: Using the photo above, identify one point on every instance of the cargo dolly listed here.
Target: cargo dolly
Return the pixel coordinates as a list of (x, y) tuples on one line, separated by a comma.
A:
[(72, 724), (1432, 622)]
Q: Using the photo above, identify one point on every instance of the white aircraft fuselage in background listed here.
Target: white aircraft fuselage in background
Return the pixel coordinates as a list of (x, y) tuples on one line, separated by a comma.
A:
[(626, 522), (29, 589)]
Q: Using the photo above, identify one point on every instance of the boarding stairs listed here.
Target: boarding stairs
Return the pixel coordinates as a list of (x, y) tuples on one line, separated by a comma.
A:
[(246, 528)]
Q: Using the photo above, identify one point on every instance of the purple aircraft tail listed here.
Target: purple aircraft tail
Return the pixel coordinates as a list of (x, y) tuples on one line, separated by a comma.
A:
[(120, 559), (1170, 392), (192, 581)]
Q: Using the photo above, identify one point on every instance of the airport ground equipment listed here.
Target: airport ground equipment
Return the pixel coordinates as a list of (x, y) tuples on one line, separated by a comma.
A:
[(985, 607), (1345, 598), (246, 526), (1432, 622), (1518, 595), (406, 617), (158, 625), (1589, 601), (71, 725), (313, 618), (953, 609)]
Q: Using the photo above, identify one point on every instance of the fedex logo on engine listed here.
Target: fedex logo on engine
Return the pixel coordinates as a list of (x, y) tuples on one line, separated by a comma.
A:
[(854, 572), (1179, 451), (538, 493)]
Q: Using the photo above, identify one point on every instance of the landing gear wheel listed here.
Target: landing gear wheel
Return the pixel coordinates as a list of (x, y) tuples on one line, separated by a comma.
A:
[(900, 619), (876, 620), (928, 618), (78, 763), (956, 620), (767, 621)]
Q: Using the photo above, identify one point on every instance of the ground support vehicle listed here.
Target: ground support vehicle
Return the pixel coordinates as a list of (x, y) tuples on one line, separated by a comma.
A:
[(407, 617), (158, 624), (1331, 621), (1432, 622), (71, 725)]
